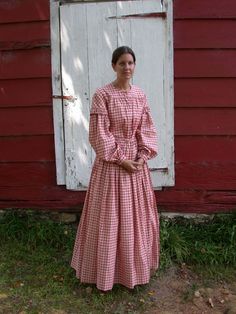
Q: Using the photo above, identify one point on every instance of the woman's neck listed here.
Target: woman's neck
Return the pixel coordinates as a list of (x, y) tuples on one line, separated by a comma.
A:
[(123, 85)]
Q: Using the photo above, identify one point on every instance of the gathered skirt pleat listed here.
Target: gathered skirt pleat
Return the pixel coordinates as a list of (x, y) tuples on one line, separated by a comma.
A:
[(117, 240)]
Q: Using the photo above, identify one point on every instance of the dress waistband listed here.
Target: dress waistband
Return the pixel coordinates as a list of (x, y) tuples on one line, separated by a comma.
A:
[(125, 140)]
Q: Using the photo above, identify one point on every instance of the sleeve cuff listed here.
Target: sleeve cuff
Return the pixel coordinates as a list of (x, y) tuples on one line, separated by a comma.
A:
[(142, 155)]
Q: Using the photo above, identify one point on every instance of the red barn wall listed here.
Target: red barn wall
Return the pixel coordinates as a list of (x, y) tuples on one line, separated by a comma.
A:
[(205, 109)]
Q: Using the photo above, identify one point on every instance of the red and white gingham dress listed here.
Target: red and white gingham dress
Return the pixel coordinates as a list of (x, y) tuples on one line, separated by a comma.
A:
[(117, 239)]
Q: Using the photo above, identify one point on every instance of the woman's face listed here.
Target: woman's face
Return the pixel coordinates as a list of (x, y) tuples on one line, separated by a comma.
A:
[(124, 67)]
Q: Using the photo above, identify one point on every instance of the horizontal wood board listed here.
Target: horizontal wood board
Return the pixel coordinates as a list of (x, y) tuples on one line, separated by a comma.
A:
[(12, 11), (25, 35), (204, 9)]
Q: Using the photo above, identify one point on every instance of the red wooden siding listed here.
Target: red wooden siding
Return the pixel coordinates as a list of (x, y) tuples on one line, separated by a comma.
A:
[(205, 92), (27, 158), (206, 175), (26, 121), (205, 109), (25, 63), (25, 92), (13, 11), (204, 9), (210, 149), (205, 63), (20, 36), (197, 200), (14, 174), (205, 33), (16, 148), (205, 121)]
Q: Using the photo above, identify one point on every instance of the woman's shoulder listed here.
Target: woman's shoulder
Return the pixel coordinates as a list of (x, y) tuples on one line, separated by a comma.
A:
[(104, 90), (138, 91), (101, 98)]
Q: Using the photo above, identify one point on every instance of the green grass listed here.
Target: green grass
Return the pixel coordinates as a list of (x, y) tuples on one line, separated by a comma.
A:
[(212, 243), (35, 272)]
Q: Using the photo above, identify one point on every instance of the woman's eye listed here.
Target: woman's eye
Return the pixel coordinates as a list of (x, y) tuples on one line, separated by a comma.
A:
[(123, 63)]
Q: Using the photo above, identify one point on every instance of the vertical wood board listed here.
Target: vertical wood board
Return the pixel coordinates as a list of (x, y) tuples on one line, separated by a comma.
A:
[(58, 119)]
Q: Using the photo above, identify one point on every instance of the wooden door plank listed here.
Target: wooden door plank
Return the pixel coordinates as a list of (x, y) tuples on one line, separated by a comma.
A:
[(75, 83), (102, 39), (58, 118), (100, 71), (140, 7)]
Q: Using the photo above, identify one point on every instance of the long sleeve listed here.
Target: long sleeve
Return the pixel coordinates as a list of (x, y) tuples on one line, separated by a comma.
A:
[(146, 135), (100, 137)]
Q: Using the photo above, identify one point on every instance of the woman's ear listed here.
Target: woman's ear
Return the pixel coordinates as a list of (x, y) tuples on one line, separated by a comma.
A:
[(113, 66)]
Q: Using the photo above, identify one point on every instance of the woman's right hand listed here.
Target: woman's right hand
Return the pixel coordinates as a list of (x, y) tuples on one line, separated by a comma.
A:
[(130, 165)]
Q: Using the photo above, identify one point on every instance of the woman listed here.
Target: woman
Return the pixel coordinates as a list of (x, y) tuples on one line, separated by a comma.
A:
[(118, 236)]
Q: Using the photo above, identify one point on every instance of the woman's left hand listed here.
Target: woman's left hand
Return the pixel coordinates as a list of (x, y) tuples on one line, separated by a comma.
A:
[(140, 161)]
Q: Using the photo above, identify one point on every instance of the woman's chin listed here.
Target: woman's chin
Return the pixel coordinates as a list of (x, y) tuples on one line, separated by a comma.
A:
[(127, 76)]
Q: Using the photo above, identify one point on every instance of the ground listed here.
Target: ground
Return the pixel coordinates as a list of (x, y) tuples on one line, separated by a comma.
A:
[(178, 290), (197, 272), (181, 291)]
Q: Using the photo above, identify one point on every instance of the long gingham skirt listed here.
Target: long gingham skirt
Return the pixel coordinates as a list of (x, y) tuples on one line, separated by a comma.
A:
[(117, 239)]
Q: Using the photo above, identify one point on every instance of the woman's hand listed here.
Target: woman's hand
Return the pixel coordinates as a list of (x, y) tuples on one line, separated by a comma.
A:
[(140, 161), (132, 166)]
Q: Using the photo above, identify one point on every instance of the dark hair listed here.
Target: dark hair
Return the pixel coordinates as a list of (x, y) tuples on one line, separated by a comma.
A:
[(120, 51)]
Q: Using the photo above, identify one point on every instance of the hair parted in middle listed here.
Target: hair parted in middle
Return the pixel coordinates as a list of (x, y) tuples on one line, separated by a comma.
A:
[(120, 51)]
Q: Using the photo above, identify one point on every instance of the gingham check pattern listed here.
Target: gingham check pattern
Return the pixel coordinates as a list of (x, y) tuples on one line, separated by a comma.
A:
[(117, 239)]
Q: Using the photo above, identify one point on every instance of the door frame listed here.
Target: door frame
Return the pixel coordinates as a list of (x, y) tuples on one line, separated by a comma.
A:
[(57, 95)]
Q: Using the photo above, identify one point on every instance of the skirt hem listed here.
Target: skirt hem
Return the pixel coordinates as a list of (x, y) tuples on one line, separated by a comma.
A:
[(144, 282)]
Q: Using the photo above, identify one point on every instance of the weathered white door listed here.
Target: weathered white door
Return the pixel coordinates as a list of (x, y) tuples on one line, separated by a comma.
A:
[(89, 33)]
